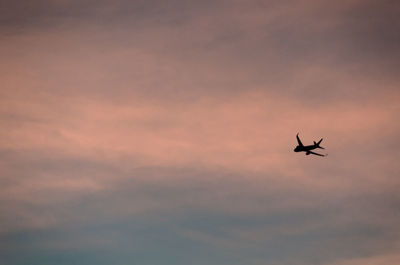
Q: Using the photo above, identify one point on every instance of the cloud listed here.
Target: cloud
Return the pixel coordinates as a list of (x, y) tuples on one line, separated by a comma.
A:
[(145, 127)]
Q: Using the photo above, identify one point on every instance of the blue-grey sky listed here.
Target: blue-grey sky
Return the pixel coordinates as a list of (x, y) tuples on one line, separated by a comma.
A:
[(162, 132)]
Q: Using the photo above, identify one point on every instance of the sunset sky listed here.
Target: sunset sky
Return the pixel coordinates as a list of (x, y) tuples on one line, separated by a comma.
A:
[(155, 132)]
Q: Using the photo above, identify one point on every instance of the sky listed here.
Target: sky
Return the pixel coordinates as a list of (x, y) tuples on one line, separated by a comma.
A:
[(162, 132)]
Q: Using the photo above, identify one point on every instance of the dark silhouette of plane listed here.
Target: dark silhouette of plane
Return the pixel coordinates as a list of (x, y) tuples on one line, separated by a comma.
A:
[(307, 148)]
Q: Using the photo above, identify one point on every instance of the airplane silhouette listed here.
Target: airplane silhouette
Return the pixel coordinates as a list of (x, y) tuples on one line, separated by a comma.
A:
[(307, 148)]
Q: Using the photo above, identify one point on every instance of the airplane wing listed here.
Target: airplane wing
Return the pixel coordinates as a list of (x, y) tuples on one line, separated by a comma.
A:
[(298, 140), (315, 153)]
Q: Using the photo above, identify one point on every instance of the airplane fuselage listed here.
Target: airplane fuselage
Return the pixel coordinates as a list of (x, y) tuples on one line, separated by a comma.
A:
[(305, 148)]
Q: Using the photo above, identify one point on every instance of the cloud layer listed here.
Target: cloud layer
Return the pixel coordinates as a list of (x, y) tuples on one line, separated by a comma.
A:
[(155, 132)]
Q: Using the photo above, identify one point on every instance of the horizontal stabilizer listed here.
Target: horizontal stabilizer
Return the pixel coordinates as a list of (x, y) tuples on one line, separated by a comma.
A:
[(317, 144)]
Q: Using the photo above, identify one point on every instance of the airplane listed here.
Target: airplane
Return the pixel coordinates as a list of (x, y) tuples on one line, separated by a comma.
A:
[(307, 148)]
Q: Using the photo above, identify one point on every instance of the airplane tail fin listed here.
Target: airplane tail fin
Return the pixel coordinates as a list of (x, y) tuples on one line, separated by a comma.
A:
[(317, 144)]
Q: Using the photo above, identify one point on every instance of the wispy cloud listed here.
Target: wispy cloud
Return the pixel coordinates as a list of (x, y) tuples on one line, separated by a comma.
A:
[(162, 133)]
